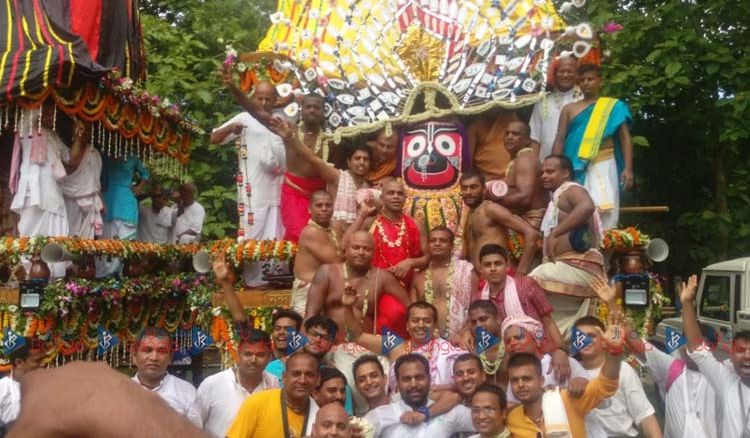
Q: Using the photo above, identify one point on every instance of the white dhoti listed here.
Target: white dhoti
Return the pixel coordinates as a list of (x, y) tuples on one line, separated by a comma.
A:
[(266, 225), (299, 296), (602, 183), (33, 221), (85, 221), (81, 193)]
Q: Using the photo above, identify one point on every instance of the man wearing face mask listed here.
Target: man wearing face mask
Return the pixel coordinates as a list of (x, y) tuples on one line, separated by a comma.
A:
[(412, 373)]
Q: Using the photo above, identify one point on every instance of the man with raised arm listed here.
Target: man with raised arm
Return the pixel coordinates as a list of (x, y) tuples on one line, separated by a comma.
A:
[(595, 135), (447, 283), (526, 379), (572, 233), (261, 161), (525, 197), (302, 178), (318, 245), (400, 247), (489, 222), (731, 382)]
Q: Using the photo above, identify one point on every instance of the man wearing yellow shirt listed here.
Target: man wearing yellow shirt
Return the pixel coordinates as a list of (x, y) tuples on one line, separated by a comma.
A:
[(527, 381), (287, 412)]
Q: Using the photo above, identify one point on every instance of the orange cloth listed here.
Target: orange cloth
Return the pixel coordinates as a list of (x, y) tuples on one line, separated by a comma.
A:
[(597, 390), (386, 169), (487, 143)]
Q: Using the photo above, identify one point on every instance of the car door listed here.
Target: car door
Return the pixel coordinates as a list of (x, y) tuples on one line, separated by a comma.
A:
[(716, 307)]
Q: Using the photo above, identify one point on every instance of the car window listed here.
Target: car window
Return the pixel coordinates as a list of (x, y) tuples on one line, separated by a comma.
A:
[(715, 300)]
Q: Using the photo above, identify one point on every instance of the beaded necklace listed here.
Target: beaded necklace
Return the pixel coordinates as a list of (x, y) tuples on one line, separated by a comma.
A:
[(429, 293), (366, 295), (490, 367)]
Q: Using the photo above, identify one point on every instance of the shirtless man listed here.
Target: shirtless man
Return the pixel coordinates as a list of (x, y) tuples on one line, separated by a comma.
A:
[(356, 273), (302, 177), (447, 284), (525, 197), (570, 241), (489, 222), (318, 245)]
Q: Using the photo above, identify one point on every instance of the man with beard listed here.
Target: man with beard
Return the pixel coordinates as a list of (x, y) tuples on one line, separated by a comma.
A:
[(331, 422), (546, 115), (488, 411), (526, 379), (447, 283), (383, 163), (287, 412), (572, 232), (488, 222), (262, 161), (152, 356), (400, 247), (318, 245), (412, 373), (525, 196), (221, 395), (732, 381), (302, 178)]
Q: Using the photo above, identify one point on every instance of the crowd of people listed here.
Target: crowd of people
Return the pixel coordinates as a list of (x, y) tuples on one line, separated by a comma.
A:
[(396, 329)]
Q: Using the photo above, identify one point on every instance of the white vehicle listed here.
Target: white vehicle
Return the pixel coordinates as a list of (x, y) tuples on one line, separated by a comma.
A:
[(723, 302)]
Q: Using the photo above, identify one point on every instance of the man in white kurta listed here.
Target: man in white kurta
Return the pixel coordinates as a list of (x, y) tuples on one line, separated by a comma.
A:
[(190, 216), (81, 191), (546, 114), (155, 219), (262, 162), (220, 396)]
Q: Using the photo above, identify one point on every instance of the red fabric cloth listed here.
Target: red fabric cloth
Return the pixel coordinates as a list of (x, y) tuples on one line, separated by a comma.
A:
[(391, 313), (85, 20), (532, 297), (295, 199)]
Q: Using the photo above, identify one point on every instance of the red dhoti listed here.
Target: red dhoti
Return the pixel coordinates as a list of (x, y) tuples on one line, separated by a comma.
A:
[(394, 243), (295, 199)]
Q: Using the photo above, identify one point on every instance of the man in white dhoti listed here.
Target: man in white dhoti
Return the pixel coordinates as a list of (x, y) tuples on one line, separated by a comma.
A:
[(190, 216), (546, 114), (156, 219), (262, 162), (36, 172), (82, 187)]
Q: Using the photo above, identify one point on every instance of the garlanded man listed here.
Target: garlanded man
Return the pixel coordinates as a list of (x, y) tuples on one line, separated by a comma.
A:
[(287, 412), (488, 222), (262, 162), (152, 356), (220, 396), (301, 179), (318, 245), (525, 196), (446, 283), (595, 135), (545, 117), (400, 247), (412, 373), (572, 234)]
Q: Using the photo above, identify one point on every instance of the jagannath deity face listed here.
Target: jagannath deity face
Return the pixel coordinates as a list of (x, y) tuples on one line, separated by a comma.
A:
[(432, 154)]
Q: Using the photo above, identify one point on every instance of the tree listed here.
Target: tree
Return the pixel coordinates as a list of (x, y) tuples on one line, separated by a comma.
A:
[(185, 43), (682, 66)]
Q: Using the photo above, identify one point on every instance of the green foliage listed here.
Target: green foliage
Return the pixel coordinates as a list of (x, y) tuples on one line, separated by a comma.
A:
[(184, 50), (682, 66)]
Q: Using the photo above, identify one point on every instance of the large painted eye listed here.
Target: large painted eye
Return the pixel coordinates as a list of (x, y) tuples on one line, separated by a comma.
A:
[(416, 146), (445, 145)]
